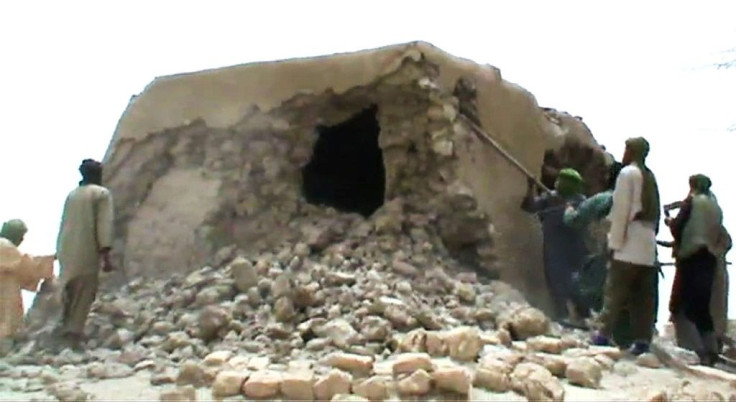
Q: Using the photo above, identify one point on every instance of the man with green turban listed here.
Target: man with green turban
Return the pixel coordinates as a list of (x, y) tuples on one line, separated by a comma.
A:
[(17, 271), (633, 274), (564, 247)]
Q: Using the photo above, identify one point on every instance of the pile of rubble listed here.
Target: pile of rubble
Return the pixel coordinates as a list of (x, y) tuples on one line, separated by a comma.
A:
[(357, 309), (349, 284)]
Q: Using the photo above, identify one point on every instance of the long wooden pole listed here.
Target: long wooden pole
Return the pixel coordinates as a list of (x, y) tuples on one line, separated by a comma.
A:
[(670, 244), (482, 134), (672, 264)]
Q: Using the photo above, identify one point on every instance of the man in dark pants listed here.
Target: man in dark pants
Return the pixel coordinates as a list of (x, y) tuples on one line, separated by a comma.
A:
[(590, 219), (563, 247), (697, 230), (83, 248)]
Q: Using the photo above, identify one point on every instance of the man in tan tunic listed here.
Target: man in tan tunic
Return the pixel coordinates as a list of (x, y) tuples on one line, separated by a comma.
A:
[(83, 246), (17, 271)]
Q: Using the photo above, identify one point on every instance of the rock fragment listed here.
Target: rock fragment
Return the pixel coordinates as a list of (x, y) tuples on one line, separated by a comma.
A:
[(556, 364), (453, 379), (648, 360), (375, 388), (190, 373), (218, 358), (417, 384), (262, 384), (179, 394), (339, 331), (348, 398), (69, 392), (334, 383), (524, 322), (284, 309), (585, 372), (228, 383), (349, 362), (411, 362), (298, 385), (493, 375), (463, 343), (545, 344), (244, 274), (435, 344), (536, 383), (210, 321), (374, 328)]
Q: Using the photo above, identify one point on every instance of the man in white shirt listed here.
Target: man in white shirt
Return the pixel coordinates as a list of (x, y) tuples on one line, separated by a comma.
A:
[(632, 275)]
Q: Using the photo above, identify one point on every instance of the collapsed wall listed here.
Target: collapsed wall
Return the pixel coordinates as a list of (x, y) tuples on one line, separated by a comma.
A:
[(572, 145), (237, 156)]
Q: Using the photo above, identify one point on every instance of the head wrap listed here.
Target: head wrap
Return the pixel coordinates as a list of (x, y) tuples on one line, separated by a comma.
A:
[(638, 149), (14, 230), (569, 182), (91, 171), (700, 183)]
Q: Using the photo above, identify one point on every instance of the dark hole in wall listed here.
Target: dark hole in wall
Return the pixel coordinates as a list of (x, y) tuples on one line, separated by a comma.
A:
[(550, 168), (346, 170)]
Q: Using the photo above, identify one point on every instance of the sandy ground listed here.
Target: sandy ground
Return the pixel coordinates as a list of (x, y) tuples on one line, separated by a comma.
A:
[(625, 382)]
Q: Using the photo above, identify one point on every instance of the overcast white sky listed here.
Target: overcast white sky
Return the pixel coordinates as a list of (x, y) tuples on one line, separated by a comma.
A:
[(628, 68)]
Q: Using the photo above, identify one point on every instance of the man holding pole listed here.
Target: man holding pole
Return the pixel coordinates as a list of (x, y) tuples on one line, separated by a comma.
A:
[(564, 247)]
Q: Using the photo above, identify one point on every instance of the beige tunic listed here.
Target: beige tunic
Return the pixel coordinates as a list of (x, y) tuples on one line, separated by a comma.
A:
[(18, 271), (86, 227)]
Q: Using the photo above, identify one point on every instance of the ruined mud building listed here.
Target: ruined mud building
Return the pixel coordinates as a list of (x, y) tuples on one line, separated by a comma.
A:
[(234, 156)]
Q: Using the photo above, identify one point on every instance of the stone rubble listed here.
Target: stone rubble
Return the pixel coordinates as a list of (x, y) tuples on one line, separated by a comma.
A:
[(180, 394), (336, 382), (376, 388), (648, 360), (418, 383), (228, 383), (453, 379), (536, 382), (355, 321), (585, 371), (298, 385)]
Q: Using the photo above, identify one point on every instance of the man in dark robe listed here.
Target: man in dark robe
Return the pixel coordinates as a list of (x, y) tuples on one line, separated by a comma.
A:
[(697, 231), (564, 247)]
